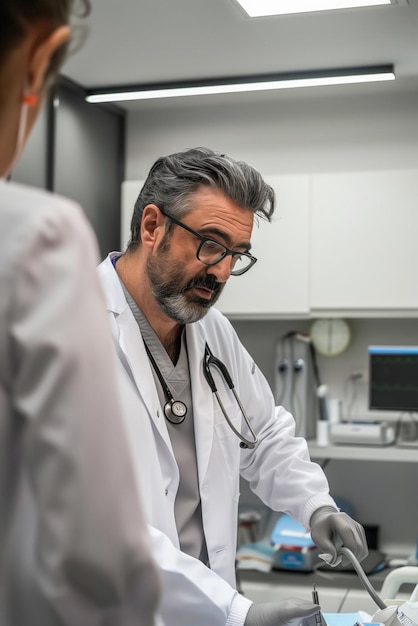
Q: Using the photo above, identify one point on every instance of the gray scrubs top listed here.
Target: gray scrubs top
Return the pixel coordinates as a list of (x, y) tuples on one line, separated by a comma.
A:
[(187, 507)]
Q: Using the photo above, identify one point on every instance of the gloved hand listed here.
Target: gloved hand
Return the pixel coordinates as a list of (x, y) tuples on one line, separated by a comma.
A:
[(289, 612), (331, 530)]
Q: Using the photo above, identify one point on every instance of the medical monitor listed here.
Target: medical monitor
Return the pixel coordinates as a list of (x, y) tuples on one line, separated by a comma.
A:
[(393, 378)]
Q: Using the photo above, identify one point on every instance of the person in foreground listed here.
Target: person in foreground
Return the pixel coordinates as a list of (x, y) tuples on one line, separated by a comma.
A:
[(190, 231), (74, 547)]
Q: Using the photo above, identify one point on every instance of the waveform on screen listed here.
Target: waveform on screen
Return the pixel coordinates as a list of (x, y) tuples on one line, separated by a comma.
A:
[(393, 378)]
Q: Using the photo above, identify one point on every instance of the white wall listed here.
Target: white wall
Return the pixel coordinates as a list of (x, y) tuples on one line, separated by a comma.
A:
[(322, 134), (296, 136)]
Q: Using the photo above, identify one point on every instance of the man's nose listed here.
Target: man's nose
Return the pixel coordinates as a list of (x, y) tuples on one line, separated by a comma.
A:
[(222, 269)]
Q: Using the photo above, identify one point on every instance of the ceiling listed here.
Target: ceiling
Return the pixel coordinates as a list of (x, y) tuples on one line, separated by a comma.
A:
[(152, 41)]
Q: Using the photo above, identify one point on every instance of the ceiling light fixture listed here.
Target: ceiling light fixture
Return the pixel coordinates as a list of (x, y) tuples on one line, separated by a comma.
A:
[(258, 8), (262, 82)]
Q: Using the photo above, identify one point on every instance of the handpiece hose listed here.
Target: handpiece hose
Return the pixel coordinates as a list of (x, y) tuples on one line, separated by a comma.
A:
[(365, 581)]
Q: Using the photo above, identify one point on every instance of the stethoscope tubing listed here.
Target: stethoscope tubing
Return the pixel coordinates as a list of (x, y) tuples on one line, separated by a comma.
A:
[(210, 359), (175, 410)]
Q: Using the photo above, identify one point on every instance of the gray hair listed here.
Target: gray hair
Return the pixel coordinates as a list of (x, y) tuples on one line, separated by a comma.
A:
[(173, 179)]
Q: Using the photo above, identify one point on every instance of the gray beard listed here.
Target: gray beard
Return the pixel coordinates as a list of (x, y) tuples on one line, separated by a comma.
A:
[(179, 309), (172, 298)]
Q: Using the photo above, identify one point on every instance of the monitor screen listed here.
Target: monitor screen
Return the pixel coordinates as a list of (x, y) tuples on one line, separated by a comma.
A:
[(393, 378)]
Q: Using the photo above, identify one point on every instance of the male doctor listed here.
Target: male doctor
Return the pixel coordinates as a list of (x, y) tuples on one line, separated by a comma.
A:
[(190, 231)]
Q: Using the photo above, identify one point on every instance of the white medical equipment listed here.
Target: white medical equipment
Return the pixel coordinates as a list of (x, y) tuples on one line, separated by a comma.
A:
[(394, 581), (392, 584), (390, 612)]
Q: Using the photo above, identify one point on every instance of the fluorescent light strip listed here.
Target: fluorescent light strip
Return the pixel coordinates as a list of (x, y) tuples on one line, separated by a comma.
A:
[(258, 8), (176, 92)]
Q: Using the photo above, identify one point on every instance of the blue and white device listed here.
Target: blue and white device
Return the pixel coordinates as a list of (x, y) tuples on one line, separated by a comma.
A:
[(294, 548)]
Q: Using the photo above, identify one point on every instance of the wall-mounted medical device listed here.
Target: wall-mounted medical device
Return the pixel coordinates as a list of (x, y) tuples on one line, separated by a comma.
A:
[(393, 378), (295, 384), (393, 386)]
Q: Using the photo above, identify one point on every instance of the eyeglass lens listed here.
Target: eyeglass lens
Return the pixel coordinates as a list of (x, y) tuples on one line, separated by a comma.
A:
[(211, 252)]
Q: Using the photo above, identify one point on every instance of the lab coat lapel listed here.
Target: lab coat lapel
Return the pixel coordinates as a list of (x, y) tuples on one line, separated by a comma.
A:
[(202, 398), (130, 346), (139, 368)]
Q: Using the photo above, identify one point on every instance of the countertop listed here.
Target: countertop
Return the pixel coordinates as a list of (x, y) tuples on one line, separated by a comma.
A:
[(339, 592)]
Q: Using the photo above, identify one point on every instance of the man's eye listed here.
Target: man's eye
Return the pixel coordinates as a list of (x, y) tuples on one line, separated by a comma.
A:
[(212, 245)]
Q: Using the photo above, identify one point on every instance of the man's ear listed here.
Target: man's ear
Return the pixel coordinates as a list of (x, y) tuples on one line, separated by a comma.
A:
[(41, 57), (152, 225)]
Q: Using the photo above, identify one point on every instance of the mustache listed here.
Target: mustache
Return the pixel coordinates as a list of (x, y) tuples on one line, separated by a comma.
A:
[(208, 282)]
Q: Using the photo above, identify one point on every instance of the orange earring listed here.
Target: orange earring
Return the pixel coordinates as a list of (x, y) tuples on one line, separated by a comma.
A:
[(31, 99)]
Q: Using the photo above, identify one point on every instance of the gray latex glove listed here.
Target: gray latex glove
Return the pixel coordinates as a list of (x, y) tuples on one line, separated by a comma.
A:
[(330, 530), (290, 612)]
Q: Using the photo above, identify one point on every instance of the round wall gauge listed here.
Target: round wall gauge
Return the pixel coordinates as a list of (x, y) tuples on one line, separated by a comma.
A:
[(330, 336)]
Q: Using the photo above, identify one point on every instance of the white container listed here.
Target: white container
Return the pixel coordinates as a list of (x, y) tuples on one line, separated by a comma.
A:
[(322, 433), (334, 410)]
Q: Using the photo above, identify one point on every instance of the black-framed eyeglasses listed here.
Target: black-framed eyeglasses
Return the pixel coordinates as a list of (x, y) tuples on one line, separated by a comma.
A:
[(211, 252)]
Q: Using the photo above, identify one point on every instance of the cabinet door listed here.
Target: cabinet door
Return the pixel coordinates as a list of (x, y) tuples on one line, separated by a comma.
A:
[(364, 241), (278, 284)]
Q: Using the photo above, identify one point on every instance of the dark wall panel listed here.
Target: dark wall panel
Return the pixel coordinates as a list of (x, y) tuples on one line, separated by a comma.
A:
[(88, 163), (31, 168)]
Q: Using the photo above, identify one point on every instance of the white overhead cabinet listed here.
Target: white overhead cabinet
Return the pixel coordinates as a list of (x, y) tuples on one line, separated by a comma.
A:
[(343, 243), (339, 244), (279, 282), (364, 245)]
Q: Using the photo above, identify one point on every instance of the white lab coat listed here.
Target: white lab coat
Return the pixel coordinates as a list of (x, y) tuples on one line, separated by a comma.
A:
[(74, 547), (278, 469)]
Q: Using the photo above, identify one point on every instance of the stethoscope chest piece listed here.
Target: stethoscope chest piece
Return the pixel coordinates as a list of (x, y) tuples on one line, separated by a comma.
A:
[(175, 411)]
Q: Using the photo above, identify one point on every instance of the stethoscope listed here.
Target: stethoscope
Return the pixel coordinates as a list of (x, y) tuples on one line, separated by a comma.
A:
[(175, 410), (208, 360)]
